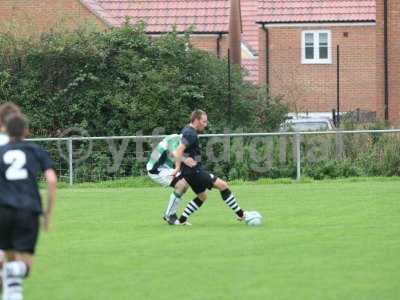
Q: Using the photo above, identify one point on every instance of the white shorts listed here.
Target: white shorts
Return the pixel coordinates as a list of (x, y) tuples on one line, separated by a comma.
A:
[(164, 178)]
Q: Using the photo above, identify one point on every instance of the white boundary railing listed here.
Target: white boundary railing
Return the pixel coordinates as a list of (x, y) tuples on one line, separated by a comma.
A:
[(296, 135)]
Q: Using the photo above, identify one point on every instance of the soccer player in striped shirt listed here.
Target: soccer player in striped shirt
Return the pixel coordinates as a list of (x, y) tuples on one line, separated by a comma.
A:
[(160, 167)]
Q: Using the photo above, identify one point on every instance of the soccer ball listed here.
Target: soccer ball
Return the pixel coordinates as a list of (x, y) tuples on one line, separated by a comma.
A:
[(253, 218)]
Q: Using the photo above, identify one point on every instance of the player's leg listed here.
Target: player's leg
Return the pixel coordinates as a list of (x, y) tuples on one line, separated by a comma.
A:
[(6, 224), (192, 207), (16, 269), (228, 197), (2, 261), (180, 187), (199, 182), (164, 178)]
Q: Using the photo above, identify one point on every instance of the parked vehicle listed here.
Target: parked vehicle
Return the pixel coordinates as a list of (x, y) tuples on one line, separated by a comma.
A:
[(307, 124)]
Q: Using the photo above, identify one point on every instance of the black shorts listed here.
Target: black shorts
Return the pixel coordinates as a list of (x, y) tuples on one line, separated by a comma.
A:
[(200, 180), (176, 180), (19, 229)]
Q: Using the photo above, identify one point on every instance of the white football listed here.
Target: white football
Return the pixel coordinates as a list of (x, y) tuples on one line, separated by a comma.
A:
[(253, 218)]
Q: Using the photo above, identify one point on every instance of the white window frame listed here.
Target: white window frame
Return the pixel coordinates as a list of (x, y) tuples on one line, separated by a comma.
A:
[(315, 60)]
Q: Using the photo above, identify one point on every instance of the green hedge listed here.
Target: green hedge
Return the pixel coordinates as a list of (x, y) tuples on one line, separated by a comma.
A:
[(121, 81)]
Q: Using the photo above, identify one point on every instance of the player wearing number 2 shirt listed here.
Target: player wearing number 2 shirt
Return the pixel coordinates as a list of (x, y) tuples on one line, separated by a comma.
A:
[(20, 164), (20, 203)]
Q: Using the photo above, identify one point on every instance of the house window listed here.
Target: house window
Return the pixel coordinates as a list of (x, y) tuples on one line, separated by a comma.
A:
[(316, 47)]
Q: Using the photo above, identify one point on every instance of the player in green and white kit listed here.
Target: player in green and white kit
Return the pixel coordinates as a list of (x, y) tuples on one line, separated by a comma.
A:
[(160, 167)]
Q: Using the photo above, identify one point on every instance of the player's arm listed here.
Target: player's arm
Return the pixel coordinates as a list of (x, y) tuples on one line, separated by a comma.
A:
[(51, 179), (178, 154), (190, 162)]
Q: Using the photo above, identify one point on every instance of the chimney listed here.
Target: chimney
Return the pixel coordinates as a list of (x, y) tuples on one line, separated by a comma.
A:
[(235, 31)]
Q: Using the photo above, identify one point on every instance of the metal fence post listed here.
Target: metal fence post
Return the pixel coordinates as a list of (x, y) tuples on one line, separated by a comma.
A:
[(339, 144), (70, 162), (298, 156), (338, 86)]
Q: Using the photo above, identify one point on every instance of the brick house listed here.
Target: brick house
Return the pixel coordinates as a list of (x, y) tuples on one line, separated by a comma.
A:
[(288, 45), (35, 16), (210, 22), (298, 53), (210, 25), (209, 19), (388, 62)]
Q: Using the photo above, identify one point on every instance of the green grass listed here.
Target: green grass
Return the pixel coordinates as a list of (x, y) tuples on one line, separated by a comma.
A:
[(321, 240), (145, 181)]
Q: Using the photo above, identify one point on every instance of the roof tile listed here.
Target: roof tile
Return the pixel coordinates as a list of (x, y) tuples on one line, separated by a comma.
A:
[(249, 12), (204, 15), (279, 11)]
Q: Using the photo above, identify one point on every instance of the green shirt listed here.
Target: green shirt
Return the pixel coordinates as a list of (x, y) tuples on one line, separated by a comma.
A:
[(161, 154)]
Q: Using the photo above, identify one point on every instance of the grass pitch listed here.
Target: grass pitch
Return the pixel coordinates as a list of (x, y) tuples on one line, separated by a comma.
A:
[(326, 240)]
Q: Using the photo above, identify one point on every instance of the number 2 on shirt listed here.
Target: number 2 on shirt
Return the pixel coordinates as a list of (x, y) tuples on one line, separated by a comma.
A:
[(17, 160)]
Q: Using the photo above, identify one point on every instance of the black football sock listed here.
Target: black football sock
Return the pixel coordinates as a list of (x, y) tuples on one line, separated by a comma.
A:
[(191, 207), (230, 200)]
